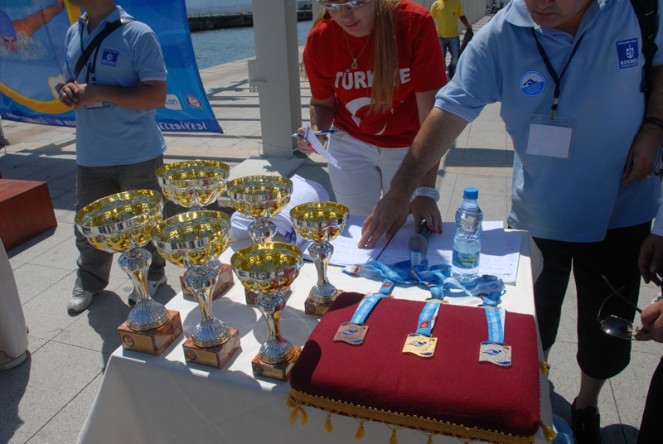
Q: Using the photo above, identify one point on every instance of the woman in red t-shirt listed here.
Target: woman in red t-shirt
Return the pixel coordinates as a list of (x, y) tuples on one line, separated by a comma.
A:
[(374, 67)]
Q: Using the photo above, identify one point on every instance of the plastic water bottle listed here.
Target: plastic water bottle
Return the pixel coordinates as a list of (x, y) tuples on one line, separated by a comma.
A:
[(467, 239)]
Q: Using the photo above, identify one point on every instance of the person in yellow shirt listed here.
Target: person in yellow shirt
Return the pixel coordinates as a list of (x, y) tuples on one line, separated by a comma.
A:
[(446, 14)]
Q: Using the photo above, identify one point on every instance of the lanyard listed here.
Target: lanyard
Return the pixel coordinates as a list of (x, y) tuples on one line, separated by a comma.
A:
[(436, 279), (91, 69), (495, 318), (557, 79)]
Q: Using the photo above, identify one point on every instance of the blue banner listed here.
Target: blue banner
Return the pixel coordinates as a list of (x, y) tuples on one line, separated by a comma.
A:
[(32, 55)]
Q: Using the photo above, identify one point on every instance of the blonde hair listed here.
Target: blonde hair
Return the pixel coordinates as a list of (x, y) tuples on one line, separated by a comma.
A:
[(385, 54)]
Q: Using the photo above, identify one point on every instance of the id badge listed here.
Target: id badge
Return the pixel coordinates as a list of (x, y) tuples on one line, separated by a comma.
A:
[(551, 138), (97, 105)]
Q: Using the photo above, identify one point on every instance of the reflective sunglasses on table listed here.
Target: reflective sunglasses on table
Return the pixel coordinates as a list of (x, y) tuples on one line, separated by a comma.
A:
[(336, 6), (616, 326)]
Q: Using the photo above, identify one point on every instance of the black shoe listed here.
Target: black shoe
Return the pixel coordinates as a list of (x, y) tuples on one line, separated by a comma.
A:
[(586, 424)]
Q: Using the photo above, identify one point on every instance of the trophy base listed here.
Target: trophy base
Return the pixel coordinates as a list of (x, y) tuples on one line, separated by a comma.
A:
[(216, 356), (251, 295), (278, 371), (153, 341), (313, 307), (223, 284)]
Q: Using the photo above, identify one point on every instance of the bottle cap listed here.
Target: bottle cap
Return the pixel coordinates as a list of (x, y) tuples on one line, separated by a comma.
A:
[(471, 193)]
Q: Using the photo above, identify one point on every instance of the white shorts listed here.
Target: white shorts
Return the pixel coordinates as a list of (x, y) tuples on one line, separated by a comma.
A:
[(364, 171)]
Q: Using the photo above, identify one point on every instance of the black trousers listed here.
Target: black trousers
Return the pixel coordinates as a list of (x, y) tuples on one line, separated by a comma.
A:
[(599, 355)]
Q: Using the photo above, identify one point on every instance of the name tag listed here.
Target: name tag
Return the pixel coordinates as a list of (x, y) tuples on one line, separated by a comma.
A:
[(547, 140)]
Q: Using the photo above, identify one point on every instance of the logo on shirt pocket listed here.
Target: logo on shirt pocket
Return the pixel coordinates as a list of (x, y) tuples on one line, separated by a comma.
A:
[(627, 53), (109, 57)]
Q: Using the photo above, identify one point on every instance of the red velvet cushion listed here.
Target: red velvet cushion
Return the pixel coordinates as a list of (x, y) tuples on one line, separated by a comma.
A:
[(452, 387)]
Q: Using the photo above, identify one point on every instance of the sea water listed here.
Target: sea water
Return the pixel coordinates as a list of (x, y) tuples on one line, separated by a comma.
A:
[(218, 46)]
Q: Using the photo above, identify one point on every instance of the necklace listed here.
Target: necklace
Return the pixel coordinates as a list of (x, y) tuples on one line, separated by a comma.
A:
[(354, 65)]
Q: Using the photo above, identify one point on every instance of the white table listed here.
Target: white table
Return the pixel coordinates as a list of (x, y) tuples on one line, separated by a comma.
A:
[(13, 331), (145, 399)]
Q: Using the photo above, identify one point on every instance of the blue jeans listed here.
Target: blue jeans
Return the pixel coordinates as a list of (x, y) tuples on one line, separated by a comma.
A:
[(453, 44)]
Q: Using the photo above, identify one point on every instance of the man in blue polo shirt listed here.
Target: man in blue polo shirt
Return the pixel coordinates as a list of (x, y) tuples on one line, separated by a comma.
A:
[(568, 76), (118, 143)]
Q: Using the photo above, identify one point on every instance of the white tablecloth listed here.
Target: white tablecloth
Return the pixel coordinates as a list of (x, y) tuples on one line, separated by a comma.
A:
[(150, 399), (13, 331)]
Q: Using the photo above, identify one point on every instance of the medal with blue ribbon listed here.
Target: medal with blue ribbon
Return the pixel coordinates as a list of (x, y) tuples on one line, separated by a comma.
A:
[(494, 351), (354, 332), (421, 343)]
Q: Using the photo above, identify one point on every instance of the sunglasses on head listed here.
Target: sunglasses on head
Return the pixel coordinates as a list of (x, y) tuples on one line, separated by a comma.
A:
[(336, 6)]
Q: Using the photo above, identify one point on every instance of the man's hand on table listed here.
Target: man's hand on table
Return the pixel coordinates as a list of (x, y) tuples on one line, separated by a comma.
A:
[(386, 218)]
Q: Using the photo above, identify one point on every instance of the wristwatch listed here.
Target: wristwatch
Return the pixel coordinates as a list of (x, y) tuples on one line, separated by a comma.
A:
[(427, 192)]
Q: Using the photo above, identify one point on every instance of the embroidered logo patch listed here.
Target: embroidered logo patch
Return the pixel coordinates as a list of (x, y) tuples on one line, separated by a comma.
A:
[(628, 53), (532, 83), (109, 57)]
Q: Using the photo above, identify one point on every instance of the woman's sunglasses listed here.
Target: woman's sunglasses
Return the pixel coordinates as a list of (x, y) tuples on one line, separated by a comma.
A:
[(336, 6)]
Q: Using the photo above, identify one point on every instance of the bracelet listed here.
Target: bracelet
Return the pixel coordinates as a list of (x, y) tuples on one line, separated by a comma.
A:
[(653, 121), (427, 192)]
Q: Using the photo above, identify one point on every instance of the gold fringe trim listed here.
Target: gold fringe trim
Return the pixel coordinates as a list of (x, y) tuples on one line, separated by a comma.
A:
[(395, 419), (360, 431), (296, 410), (393, 439), (430, 439), (548, 431), (328, 424), (544, 367)]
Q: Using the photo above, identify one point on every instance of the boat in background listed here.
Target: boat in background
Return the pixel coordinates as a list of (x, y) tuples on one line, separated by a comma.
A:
[(215, 14)]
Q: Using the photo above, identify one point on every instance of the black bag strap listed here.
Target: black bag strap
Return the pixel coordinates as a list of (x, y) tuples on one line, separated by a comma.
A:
[(647, 13), (96, 41)]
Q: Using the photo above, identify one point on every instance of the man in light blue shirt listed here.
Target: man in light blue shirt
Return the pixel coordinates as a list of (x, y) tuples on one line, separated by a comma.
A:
[(118, 143), (568, 76)]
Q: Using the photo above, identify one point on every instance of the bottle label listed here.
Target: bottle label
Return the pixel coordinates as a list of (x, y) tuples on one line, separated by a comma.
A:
[(465, 260), (470, 224)]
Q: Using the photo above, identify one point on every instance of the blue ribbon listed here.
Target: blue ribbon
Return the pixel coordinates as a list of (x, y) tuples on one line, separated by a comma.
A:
[(437, 279), (365, 307), (427, 318), (495, 318)]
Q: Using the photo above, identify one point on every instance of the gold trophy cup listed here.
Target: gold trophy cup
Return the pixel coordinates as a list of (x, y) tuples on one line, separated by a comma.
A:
[(259, 197), (195, 184), (320, 222), (267, 268), (194, 240), (122, 223)]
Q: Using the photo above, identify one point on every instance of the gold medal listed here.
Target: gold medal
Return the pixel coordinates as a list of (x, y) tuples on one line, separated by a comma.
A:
[(420, 345), (351, 333), (497, 354)]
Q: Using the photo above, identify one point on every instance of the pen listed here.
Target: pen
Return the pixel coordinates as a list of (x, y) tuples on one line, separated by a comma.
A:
[(317, 133)]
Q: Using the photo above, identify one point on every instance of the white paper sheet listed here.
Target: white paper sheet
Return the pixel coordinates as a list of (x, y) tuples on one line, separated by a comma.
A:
[(346, 251), (500, 249), (317, 146)]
